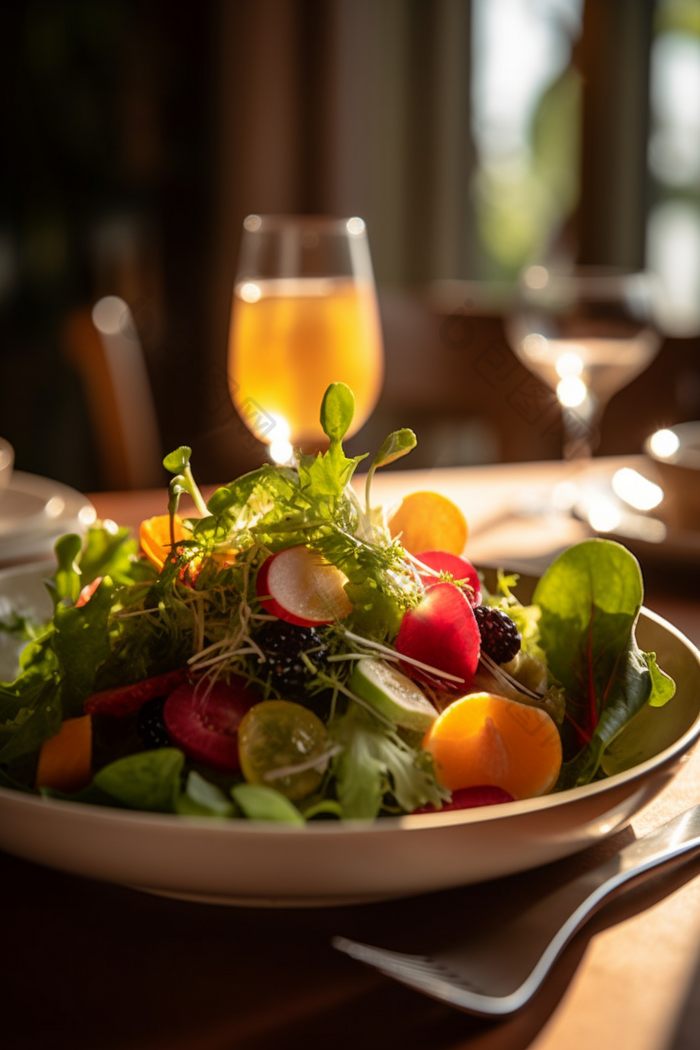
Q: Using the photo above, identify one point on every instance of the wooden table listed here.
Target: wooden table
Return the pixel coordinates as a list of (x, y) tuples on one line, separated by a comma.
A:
[(109, 968)]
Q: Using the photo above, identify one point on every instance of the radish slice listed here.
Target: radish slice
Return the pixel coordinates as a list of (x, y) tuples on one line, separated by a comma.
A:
[(442, 632), (459, 568), (299, 586)]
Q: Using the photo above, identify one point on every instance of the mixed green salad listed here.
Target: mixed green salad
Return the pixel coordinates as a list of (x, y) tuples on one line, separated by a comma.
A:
[(289, 659)]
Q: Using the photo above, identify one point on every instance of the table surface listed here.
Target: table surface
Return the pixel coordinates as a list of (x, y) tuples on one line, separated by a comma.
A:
[(102, 966)]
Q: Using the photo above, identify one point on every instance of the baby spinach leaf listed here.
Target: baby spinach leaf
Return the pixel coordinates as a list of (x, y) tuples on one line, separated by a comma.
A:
[(203, 799), (646, 734), (589, 601), (147, 780), (663, 688), (325, 809), (91, 795), (258, 802)]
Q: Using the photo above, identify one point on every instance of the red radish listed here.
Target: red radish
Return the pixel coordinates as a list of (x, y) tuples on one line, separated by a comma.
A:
[(203, 720), (470, 798), (459, 568), (299, 586), (124, 699), (441, 631)]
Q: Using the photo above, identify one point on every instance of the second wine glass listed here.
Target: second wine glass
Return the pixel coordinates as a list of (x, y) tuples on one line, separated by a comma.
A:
[(587, 333), (304, 315)]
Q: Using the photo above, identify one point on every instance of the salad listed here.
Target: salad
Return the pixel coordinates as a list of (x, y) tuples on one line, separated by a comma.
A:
[(292, 652)]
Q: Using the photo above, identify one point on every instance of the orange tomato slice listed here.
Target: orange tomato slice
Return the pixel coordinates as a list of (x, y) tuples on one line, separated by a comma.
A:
[(155, 538), (428, 521), (483, 738)]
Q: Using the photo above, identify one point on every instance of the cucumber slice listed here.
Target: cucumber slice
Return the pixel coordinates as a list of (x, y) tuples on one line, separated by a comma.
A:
[(392, 694)]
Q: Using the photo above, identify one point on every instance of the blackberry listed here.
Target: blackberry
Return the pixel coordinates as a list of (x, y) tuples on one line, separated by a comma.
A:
[(150, 724), (500, 638), (283, 643)]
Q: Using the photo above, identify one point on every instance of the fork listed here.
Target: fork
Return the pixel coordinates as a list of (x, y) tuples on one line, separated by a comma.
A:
[(498, 971)]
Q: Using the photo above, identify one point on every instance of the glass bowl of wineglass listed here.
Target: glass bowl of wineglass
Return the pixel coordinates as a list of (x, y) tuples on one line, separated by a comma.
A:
[(586, 333), (304, 315)]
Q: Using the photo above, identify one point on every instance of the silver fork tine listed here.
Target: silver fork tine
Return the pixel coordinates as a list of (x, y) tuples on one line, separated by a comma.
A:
[(425, 975), (384, 958), (516, 957)]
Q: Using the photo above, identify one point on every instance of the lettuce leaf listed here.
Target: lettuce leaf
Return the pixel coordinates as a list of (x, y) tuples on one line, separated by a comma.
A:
[(58, 668), (30, 711), (375, 762)]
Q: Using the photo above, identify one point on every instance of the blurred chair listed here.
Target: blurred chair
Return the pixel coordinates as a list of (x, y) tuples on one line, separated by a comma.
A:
[(103, 346)]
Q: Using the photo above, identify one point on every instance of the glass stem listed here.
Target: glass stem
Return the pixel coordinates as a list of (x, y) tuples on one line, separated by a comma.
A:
[(581, 428)]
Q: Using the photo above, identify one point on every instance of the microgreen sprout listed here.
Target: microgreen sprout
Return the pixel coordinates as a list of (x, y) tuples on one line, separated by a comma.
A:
[(398, 444), (178, 463)]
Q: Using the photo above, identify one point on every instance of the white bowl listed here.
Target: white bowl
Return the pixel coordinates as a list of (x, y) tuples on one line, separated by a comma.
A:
[(327, 863), (675, 453)]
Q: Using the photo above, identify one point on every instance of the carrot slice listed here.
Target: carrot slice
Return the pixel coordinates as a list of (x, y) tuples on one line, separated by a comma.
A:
[(65, 760)]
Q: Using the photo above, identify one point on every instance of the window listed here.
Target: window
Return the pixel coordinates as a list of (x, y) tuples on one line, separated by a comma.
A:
[(673, 225), (526, 116), (547, 156)]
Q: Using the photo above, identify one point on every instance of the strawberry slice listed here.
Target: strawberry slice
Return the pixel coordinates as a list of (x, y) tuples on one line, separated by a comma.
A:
[(441, 631), (459, 568), (203, 720), (470, 798), (124, 699)]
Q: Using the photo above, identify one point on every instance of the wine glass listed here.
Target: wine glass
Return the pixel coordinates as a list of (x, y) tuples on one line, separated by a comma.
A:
[(304, 315), (587, 333)]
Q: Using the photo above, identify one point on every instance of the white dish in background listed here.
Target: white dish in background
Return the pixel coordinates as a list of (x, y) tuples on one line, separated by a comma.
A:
[(648, 534), (35, 511), (328, 863), (674, 454)]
